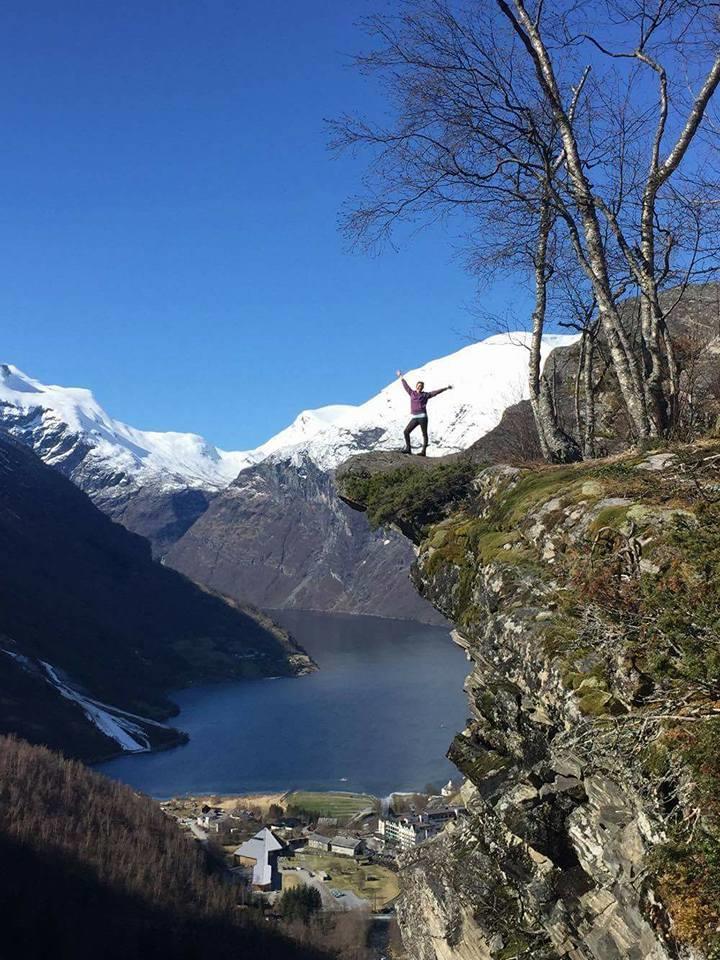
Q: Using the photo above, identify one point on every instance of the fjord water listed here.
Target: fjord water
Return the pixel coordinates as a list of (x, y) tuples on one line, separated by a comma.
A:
[(377, 716)]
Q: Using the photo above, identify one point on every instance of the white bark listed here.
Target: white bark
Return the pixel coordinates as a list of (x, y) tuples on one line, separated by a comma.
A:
[(557, 446), (626, 366)]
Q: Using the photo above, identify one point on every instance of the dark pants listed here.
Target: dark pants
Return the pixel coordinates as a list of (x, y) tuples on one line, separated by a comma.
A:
[(417, 422)]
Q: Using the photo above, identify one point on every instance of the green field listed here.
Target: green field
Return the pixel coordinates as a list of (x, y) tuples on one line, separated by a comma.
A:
[(340, 805)]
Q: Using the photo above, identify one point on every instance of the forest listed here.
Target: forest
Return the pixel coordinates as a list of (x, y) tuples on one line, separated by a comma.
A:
[(90, 869)]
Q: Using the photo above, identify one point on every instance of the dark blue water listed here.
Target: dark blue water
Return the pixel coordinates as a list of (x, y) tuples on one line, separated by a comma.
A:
[(381, 712)]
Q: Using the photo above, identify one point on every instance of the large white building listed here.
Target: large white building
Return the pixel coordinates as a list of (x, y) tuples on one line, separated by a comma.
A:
[(407, 832), (404, 832), (261, 853)]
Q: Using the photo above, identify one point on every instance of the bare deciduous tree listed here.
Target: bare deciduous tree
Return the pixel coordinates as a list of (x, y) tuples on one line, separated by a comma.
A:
[(536, 123)]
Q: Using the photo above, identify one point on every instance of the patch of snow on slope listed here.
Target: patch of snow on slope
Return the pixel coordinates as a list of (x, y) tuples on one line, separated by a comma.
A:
[(24, 661), (111, 721)]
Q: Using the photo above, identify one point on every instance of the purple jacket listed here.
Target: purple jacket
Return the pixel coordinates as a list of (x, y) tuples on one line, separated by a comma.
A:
[(419, 398)]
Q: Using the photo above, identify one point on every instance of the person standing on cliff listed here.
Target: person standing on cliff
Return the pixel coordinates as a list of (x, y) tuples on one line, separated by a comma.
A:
[(418, 410)]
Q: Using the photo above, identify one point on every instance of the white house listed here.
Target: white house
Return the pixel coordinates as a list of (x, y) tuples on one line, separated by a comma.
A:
[(261, 853), (213, 820)]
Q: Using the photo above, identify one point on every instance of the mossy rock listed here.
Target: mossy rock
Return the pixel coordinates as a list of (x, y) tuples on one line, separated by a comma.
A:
[(475, 762), (597, 702), (517, 946), (440, 537), (652, 514), (517, 503), (614, 514)]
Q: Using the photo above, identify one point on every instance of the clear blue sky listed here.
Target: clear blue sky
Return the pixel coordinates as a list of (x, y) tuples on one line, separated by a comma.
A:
[(168, 219)]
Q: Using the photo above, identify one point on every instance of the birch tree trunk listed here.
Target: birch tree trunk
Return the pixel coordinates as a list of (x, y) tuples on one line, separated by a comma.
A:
[(557, 446), (627, 368), (587, 384)]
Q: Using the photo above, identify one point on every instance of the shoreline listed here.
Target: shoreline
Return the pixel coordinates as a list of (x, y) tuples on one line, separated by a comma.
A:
[(268, 797), (323, 802)]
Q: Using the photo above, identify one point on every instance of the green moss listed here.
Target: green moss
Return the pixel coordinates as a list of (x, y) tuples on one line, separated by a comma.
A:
[(573, 678), (474, 543), (486, 703), (599, 703), (614, 516), (516, 947), (534, 488), (474, 761), (491, 545), (412, 497)]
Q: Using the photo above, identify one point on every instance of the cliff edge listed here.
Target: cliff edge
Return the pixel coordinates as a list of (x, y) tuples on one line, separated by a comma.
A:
[(588, 601)]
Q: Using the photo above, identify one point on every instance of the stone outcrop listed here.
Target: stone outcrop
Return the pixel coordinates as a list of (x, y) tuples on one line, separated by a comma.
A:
[(592, 736)]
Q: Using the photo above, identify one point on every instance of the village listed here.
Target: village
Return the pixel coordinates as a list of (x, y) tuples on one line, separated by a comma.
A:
[(345, 846)]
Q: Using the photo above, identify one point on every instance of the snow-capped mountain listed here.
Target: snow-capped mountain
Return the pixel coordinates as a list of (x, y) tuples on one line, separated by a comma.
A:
[(487, 377), (264, 525), (41, 413)]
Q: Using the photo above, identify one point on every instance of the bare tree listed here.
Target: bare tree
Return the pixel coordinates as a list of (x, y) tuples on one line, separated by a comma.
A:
[(648, 409), (536, 123), (556, 444)]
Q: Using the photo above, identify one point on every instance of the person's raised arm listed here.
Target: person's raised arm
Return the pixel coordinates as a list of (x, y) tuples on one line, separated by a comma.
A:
[(434, 393), (403, 381)]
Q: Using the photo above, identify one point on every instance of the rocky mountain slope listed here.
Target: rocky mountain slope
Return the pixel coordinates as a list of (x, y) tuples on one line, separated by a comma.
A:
[(587, 600), (264, 525), (93, 632), (280, 534)]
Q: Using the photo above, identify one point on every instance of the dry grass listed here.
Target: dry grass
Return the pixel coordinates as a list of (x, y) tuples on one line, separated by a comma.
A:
[(374, 883), (187, 806)]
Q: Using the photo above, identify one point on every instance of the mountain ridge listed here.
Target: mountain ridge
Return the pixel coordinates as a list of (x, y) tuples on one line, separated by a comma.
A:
[(227, 519), (94, 633), (325, 433)]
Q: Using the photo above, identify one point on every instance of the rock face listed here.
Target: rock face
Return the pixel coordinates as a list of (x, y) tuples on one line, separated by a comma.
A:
[(162, 516), (694, 323), (592, 735), (280, 535)]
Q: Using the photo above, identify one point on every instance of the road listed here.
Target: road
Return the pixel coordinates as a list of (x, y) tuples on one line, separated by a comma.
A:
[(198, 832)]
